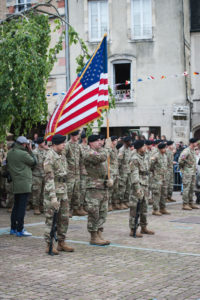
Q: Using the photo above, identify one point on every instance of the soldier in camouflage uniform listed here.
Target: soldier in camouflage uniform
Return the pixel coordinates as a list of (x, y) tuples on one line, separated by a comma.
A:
[(84, 147), (124, 172), (148, 153), (170, 171), (74, 159), (55, 193), (139, 188), (114, 171), (158, 166), (96, 189), (187, 164), (38, 177)]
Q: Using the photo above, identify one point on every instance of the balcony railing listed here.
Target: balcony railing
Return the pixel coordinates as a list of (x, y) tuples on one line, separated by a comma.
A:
[(122, 95)]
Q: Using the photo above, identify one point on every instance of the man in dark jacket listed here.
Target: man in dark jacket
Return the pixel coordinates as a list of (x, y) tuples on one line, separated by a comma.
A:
[(20, 160)]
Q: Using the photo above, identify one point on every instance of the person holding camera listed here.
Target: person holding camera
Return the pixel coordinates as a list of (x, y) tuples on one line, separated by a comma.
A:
[(20, 160)]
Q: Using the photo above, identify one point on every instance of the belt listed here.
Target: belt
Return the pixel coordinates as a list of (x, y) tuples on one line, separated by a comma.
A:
[(61, 179)]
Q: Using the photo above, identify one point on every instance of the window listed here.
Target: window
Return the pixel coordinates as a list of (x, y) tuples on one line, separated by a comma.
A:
[(121, 80), (22, 5), (98, 19), (141, 19)]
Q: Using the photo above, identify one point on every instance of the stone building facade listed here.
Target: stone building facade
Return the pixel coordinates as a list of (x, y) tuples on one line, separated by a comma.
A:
[(146, 39)]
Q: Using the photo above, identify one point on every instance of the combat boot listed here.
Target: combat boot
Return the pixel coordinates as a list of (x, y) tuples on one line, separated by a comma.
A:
[(144, 230), (82, 211), (78, 212), (110, 208), (123, 206), (54, 250), (164, 212), (193, 206), (186, 207), (62, 246), (156, 213), (138, 234), (95, 240), (37, 211), (117, 206), (171, 200), (99, 232)]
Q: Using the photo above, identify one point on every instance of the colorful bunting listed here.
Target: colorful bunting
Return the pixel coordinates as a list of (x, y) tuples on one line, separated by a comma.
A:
[(138, 80)]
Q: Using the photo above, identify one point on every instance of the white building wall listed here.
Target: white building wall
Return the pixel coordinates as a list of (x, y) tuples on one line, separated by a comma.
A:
[(153, 100)]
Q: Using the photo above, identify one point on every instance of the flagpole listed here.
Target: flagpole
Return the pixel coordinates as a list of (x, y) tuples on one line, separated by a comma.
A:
[(108, 136)]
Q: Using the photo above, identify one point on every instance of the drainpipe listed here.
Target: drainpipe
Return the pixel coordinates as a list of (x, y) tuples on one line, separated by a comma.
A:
[(67, 46)]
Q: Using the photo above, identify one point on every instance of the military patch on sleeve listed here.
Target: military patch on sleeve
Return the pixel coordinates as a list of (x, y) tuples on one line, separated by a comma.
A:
[(183, 156)]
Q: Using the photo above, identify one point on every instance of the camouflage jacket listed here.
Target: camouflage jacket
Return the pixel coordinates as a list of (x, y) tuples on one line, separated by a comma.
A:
[(55, 170), (84, 148), (96, 167), (73, 154), (170, 159), (139, 170), (114, 167), (124, 156), (187, 161), (158, 166), (38, 170)]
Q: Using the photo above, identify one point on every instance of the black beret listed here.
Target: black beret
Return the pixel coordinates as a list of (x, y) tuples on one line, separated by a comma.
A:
[(74, 133), (169, 143), (157, 142), (162, 145), (93, 138), (139, 144), (127, 139), (58, 139), (102, 137), (113, 138), (40, 140), (83, 135), (193, 140), (119, 146), (148, 142)]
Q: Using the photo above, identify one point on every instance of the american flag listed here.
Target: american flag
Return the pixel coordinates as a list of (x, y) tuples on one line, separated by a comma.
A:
[(85, 99)]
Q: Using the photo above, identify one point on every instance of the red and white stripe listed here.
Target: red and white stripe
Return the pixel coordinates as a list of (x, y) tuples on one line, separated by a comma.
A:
[(79, 107)]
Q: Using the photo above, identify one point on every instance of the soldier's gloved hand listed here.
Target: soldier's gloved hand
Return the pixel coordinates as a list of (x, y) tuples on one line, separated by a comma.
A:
[(55, 204), (109, 183), (108, 143)]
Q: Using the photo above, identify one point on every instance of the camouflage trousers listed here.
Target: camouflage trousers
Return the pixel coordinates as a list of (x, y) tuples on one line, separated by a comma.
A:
[(62, 219), (122, 188), (37, 191), (170, 183), (112, 191), (188, 187), (83, 190), (128, 189), (10, 195), (133, 201), (97, 207), (159, 194), (73, 192)]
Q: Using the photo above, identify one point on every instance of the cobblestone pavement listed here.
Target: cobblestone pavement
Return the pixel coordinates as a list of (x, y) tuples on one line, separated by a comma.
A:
[(164, 266)]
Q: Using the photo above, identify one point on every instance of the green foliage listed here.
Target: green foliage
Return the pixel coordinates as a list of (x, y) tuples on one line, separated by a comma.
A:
[(26, 62)]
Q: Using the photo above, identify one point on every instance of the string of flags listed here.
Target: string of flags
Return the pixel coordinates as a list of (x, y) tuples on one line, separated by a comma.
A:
[(141, 79)]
